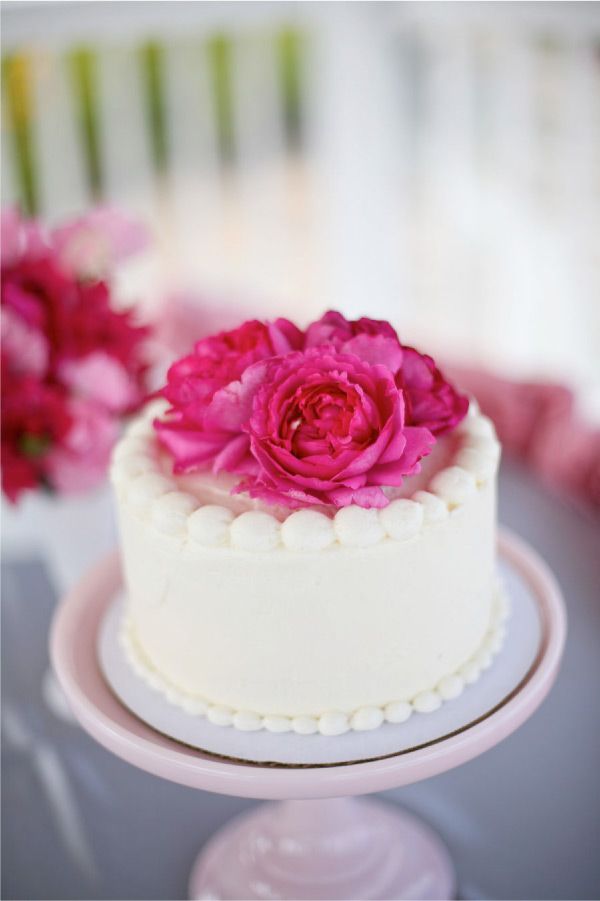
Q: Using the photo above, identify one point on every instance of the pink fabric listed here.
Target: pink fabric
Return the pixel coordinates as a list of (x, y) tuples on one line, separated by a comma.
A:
[(537, 422)]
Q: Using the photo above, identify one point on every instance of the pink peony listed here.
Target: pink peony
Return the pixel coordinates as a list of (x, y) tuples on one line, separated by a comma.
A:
[(41, 295), (328, 428), (35, 417), (209, 392), (102, 379), (50, 438), (333, 328), (373, 340), (80, 460), (216, 361), (63, 320), (214, 437), (70, 362), (94, 325), (26, 347), (431, 401), (73, 318), (331, 416)]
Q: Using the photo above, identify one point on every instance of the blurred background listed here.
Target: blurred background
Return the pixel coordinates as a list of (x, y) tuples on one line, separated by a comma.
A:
[(435, 164)]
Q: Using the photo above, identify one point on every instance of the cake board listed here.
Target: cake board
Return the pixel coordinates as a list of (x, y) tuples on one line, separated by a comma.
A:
[(303, 848), (491, 690)]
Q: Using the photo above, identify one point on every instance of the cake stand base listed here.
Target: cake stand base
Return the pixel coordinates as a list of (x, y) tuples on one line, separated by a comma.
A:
[(314, 847), (338, 848)]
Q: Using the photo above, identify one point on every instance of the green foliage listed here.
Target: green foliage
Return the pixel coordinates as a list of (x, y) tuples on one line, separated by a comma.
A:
[(82, 69), (219, 50), (152, 60), (16, 121), (289, 63)]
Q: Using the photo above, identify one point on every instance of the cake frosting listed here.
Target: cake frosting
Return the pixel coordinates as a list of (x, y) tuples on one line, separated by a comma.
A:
[(262, 615)]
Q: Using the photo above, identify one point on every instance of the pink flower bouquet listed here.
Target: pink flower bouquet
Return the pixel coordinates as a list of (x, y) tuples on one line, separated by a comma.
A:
[(72, 366), (331, 415)]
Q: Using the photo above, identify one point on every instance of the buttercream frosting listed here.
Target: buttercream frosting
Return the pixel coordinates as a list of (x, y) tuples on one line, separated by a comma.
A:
[(331, 722), (311, 620), (140, 478)]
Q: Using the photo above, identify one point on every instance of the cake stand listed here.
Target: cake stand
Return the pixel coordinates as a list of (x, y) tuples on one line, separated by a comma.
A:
[(317, 842)]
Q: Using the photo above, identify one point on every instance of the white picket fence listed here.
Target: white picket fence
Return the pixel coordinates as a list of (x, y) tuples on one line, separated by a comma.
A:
[(447, 174)]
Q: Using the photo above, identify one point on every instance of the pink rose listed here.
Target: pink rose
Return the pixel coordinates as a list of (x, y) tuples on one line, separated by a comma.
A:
[(330, 416), (373, 340), (214, 437), (210, 390), (195, 438), (328, 428), (431, 401), (220, 359), (333, 328)]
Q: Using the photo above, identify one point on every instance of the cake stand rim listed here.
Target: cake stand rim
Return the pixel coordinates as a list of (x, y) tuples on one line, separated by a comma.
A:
[(80, 615)]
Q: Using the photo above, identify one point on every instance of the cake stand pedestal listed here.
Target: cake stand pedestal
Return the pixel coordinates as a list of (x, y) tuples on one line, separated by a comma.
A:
[(328, 849), (317, 843)]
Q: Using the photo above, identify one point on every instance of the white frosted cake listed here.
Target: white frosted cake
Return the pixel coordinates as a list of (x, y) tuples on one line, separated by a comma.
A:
[(309, 546)]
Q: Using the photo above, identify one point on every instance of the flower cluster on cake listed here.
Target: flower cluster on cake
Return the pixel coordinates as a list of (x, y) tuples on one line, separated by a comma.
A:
[(307, 520), (72, 364), (332, 415)]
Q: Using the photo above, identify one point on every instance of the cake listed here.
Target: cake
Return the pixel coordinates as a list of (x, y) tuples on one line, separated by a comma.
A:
[(308, 531)]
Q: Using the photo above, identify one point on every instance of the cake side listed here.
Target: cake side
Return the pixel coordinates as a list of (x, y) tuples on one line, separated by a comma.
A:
[(307, 612)]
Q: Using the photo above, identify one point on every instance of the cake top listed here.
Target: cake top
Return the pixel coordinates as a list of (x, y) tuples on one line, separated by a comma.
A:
[(336, 415)]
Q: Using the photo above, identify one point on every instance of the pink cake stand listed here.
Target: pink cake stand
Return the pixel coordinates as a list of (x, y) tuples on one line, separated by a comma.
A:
[(317, 843)]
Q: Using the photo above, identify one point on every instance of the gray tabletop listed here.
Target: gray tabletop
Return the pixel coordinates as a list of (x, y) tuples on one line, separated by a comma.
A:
[(521, 821)]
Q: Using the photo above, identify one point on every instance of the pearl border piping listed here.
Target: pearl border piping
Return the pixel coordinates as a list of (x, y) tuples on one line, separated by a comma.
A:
[(332, 722), (154, 496)]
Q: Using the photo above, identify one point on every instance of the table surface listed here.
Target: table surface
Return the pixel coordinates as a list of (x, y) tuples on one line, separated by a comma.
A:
[(521, 820)]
